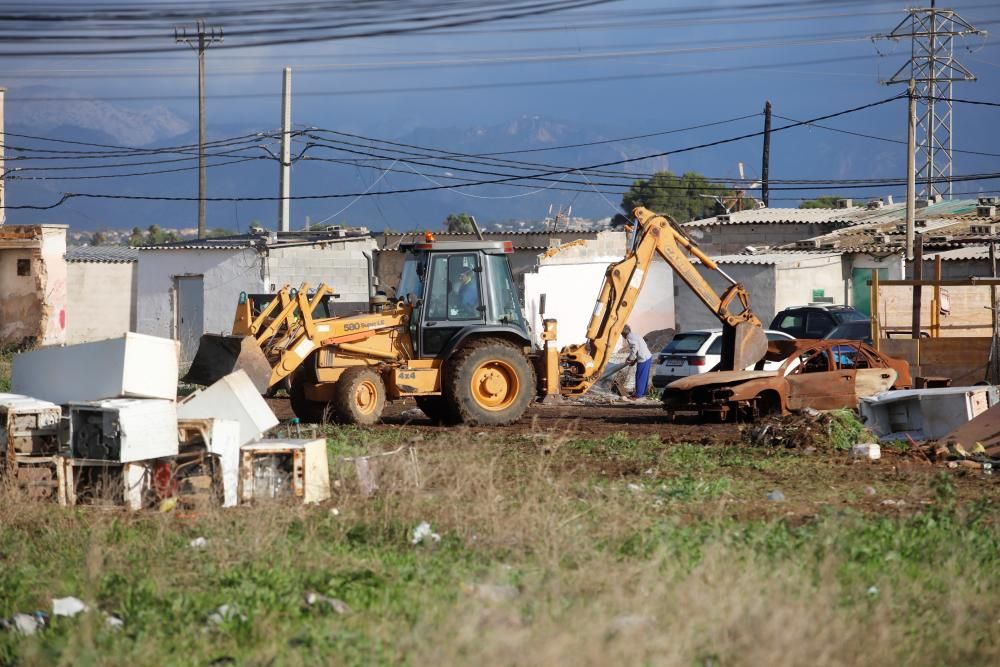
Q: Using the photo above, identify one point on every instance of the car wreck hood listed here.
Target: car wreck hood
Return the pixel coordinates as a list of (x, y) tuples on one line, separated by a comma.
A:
[(719, 377)]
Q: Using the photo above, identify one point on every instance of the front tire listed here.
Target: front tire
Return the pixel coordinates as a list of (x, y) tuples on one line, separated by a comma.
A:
[(308, 411), (489, 383), (359, 397)]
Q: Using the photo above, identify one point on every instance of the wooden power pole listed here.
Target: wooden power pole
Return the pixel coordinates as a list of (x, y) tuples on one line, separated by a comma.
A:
[(200, 41), (766, 164)]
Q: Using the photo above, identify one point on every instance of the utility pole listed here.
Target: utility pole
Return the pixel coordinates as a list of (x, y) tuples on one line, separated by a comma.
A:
[(766, 165), (285, 176), (911, 185), (3, 173), (200, 41), (933, 67)]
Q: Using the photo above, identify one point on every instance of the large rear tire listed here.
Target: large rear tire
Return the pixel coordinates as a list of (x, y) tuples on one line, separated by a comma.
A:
[(358, 397), (488, 383)]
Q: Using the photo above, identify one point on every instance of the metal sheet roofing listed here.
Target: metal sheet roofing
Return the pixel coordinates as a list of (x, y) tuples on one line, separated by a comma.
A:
[(855, 215), (968, 252), (106, 254), (782, 258)]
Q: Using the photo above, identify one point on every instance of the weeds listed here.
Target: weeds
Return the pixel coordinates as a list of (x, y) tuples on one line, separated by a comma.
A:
[(542, 561), (846, 430)]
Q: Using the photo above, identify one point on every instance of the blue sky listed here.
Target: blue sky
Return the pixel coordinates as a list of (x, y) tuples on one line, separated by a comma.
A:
[(640, 66)]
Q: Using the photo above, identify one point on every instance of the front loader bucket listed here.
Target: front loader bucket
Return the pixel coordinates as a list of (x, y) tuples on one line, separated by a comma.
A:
[(742, 346), (218, 356)]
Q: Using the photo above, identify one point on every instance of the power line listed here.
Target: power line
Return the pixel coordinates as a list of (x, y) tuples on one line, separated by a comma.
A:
[(492, 85), (422, 24), (500, 180), (878, 138)]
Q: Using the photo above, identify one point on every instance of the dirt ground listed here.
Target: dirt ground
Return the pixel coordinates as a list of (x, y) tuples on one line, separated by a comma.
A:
[(815, 475), (583, 420)]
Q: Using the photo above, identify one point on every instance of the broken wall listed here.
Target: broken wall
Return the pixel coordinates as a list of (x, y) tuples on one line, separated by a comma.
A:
[(101, 300), (33, 290)]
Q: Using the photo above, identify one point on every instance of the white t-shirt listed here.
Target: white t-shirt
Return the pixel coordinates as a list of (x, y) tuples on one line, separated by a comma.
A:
[(637, 348)]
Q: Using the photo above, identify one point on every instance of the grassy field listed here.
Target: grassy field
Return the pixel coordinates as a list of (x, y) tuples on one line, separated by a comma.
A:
[(552, 550)]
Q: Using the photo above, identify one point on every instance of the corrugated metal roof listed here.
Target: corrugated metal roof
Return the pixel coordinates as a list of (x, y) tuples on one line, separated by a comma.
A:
[(773, 257), (202, 244), (968, 252), (107, 254), (269, 239), (856, 215)]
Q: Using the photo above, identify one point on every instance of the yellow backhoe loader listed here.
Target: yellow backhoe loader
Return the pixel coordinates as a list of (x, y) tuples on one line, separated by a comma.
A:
[(456, 340)]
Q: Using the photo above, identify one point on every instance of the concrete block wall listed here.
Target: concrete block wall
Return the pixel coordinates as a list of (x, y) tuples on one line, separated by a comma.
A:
[(341, 265), (724, 239), (102, 300), (759, 279)]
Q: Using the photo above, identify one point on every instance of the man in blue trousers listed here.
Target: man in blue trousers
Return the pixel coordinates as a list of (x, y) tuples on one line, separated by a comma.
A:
[(638, 356)]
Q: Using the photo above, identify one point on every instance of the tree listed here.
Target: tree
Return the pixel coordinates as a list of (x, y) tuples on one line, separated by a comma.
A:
[(826, 201), (136, 237), (459, 223), (217, 232), (98, 238), (680, 197)]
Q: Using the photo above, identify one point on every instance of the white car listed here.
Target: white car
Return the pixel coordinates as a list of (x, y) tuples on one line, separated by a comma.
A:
[(698, 351)]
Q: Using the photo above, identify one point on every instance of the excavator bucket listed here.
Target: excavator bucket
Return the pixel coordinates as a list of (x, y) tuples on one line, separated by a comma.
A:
[(749, 345), (219, 356)]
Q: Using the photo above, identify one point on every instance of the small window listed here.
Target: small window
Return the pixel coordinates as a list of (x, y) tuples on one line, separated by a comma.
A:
[(818, 324), (686, 343), (24, 267)]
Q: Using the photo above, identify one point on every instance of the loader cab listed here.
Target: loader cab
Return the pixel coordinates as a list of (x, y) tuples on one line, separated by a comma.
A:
[(458, 289)]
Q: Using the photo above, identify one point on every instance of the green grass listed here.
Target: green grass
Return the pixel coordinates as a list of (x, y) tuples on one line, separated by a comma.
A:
[(567, 553)]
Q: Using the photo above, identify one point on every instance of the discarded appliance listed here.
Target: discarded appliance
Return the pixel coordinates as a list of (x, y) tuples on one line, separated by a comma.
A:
[(121, 429), (93, 482), (28, 426), (29, 438), (924, 414), (233, 397), (271, 469), (135, 365), (206, 469)]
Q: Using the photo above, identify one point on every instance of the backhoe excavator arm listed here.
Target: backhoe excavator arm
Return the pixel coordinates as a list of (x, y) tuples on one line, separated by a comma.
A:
[(744, 342)]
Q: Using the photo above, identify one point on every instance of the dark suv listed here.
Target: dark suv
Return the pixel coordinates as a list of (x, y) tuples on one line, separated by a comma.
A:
[(814, 320)]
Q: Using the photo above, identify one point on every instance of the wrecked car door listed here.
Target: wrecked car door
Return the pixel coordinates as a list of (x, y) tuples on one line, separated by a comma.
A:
[(815, 381), (871, 375)]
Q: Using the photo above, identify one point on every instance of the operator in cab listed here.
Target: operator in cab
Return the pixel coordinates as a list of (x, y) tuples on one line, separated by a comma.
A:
[(640, 357), (464, 300)]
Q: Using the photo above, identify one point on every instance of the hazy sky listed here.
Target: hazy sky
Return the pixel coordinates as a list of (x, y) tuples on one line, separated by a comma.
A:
[(627, 67)]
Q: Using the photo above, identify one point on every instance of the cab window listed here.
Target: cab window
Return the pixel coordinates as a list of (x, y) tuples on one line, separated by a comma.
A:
[(454, 292), (505, 305)]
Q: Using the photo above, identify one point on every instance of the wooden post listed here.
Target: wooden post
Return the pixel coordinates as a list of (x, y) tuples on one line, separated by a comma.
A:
[(873, 303), (918, 274), (936, 301)]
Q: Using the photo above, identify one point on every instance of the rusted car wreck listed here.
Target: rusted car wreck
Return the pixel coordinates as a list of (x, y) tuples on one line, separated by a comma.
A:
[(819, 374)]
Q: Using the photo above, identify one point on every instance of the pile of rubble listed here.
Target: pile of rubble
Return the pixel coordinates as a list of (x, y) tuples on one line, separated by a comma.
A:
[(100, 423)]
